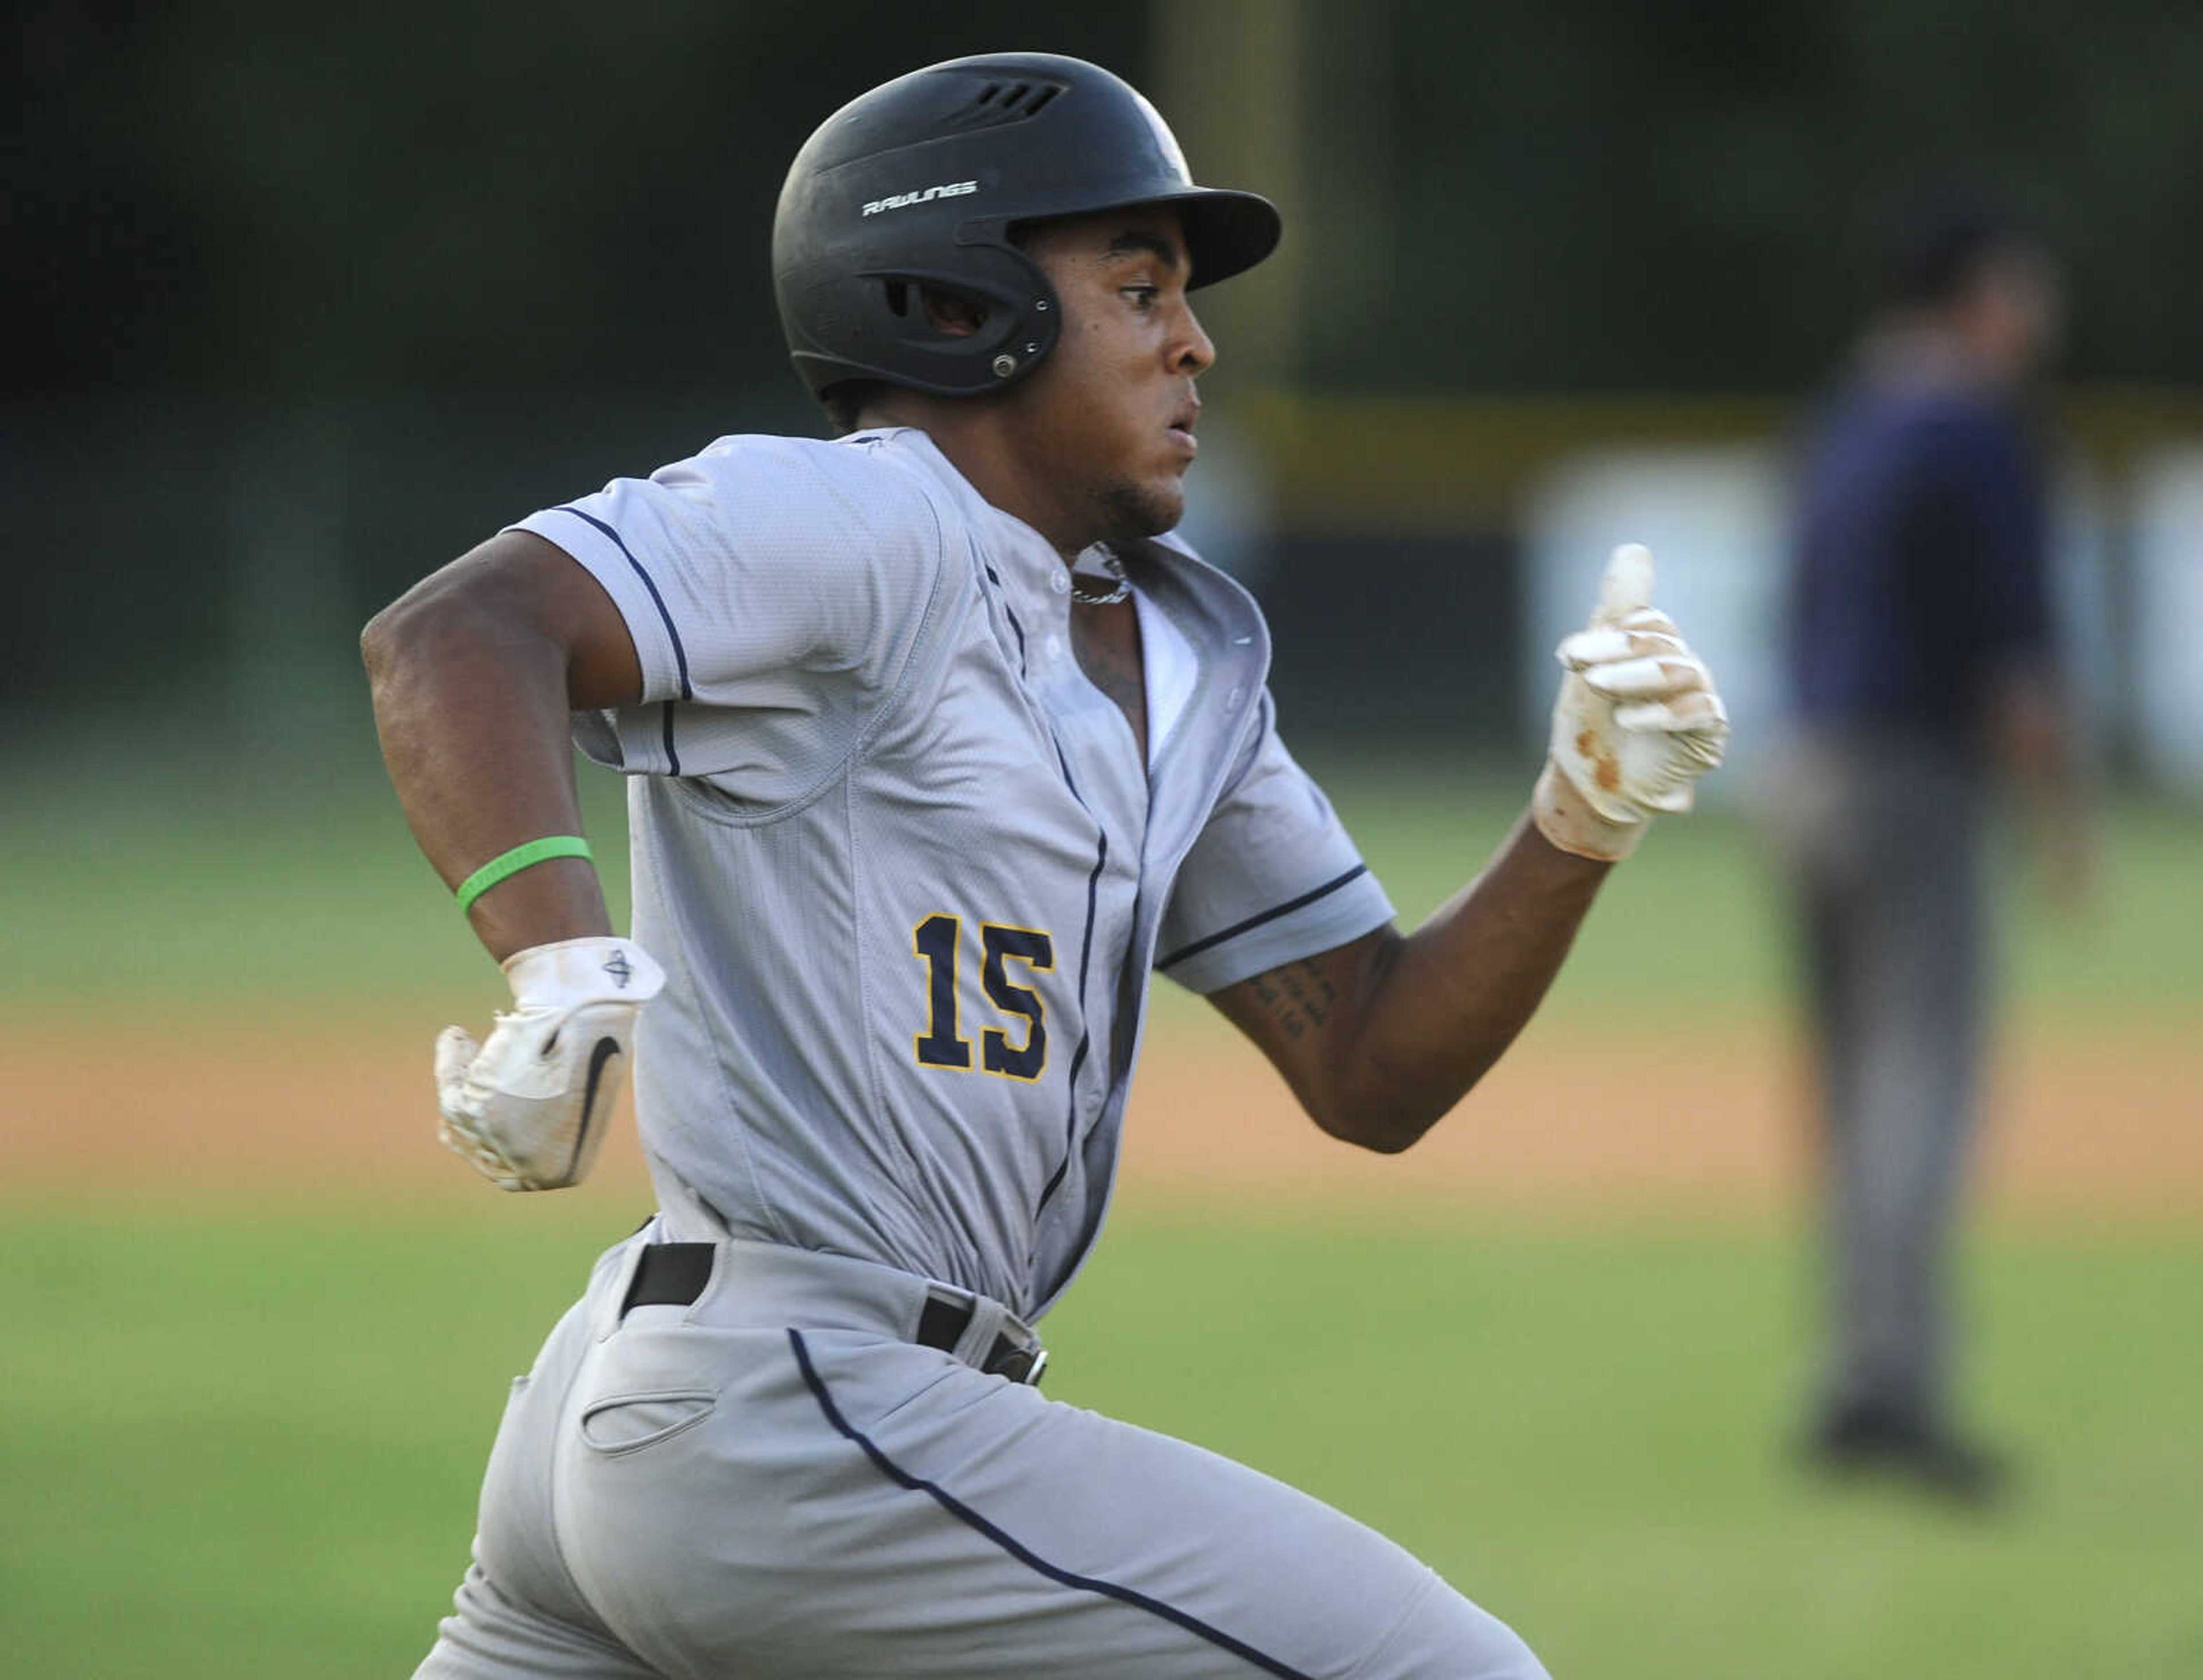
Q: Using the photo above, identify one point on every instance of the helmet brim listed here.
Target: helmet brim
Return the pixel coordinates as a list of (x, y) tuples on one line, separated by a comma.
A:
[(1227, 232)]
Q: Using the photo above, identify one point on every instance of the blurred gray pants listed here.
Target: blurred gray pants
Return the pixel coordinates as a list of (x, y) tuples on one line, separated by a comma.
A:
[(1888, 860)]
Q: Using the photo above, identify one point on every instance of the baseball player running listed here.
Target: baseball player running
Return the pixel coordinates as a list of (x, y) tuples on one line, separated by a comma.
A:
[(937, 742)]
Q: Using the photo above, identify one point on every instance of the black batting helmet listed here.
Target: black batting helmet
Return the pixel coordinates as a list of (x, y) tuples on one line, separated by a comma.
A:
[(920, 182)]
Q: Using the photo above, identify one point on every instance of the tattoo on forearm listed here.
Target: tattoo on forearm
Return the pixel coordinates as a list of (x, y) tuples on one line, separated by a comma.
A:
[(1274, 1005), (1297, 996)]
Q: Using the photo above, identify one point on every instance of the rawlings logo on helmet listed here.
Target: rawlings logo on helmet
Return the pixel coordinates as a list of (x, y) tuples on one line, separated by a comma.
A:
[(895, 201)]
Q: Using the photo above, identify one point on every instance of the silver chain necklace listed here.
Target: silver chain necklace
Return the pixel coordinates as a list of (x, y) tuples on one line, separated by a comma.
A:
[(1120, 590)]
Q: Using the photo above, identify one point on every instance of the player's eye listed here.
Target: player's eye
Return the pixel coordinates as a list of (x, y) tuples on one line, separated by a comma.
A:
[(1142, 297)]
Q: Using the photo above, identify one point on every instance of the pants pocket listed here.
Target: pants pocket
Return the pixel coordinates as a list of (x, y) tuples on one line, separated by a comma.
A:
[(621, 1423)]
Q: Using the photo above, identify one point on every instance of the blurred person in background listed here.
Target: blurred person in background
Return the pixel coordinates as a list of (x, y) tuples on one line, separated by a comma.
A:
[(1923, 672)]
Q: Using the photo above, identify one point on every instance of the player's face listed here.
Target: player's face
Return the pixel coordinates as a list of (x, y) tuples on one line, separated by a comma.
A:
[(1108, 419)]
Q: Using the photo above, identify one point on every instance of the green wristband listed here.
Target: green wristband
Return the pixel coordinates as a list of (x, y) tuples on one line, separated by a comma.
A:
[(519, 858)]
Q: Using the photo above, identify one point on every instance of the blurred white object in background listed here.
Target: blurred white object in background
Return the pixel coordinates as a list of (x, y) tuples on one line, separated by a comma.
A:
[(2080, 575), (2166, 669)]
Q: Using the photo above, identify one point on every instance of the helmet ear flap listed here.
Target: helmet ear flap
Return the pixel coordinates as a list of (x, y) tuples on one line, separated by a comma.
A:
[(917, 303), (882, 313)]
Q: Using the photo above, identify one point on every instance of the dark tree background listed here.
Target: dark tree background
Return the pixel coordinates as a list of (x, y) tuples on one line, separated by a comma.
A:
[(302, 300), (1581, 194)]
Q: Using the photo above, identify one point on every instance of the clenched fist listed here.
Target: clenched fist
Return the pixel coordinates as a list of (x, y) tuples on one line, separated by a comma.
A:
[(527, 1109), (1637, 723)]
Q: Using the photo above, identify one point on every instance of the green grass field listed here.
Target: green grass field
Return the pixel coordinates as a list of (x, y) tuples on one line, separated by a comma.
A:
[(249, 1444), (238, 1440)]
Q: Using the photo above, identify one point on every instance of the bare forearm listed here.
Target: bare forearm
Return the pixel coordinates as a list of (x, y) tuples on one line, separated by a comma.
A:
[(474, 730), (1380, 1037), (1447, 999)]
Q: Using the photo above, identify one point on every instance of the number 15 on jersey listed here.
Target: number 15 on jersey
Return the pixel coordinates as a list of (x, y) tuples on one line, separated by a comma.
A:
[(938, 941)]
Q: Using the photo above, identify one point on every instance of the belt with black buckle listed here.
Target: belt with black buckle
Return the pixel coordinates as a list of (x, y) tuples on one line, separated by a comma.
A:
[(675, 1273)]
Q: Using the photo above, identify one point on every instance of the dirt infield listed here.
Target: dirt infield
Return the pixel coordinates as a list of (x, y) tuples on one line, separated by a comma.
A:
[(2088, 1123)]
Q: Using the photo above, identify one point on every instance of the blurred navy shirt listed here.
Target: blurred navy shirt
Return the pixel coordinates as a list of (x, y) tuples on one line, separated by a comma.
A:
[(1919, 563)]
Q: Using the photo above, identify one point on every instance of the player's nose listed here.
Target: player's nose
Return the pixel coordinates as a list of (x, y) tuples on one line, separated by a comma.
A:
[(1191, 350)]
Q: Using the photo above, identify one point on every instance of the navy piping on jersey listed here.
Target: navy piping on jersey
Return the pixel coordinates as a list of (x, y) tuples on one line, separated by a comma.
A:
[(672, 634), (665, 718), (1085, 950), (1085, 1037), (1255, 921), (1016, 628), (964, 1513)]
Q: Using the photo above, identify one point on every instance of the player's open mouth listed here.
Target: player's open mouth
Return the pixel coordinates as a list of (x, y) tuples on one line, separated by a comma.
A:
[(1181, 428)]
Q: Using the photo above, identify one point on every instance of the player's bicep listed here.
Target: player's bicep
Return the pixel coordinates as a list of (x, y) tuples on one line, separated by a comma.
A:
[(1307, 1016), (534, 586)]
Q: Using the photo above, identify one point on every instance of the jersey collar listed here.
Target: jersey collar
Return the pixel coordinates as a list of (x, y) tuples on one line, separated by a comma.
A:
[(1014, 538), (1215, 611)]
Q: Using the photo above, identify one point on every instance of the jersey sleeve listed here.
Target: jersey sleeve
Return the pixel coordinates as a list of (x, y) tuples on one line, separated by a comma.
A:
[(1273, 877), (776, 574)]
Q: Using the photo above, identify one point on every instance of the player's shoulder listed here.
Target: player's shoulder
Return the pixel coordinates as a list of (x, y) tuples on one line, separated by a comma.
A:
[(856, 466), (838, 491)]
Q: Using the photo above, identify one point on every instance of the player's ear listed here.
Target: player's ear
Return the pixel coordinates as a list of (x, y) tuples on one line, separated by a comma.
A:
[(954, 313)]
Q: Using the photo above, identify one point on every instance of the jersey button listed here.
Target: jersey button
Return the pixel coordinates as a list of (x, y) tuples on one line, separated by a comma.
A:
[(1059, 583)]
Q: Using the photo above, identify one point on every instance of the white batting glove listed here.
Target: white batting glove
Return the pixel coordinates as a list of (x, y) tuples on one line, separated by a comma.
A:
[(528, 1109), (1637, 723)]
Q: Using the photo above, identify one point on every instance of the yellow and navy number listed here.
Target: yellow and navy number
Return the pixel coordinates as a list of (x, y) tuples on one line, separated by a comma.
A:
[(936, 940)]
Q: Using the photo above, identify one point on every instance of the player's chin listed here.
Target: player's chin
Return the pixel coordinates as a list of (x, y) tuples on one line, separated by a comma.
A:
[(1144, 508)]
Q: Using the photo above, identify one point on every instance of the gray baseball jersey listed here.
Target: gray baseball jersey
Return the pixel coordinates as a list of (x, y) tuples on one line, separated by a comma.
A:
[(907, 875), (902, 861)]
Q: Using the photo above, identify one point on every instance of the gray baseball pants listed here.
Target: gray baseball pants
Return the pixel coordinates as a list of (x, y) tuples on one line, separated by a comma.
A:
[(776, 1480), (1892, 896)]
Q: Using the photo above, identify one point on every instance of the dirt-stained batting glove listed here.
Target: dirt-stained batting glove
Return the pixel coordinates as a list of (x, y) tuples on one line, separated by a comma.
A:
[(528, 1109), (1637, 723)]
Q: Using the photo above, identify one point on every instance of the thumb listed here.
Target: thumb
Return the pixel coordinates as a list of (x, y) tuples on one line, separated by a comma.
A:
[(1627, 586), (456, 1050)]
